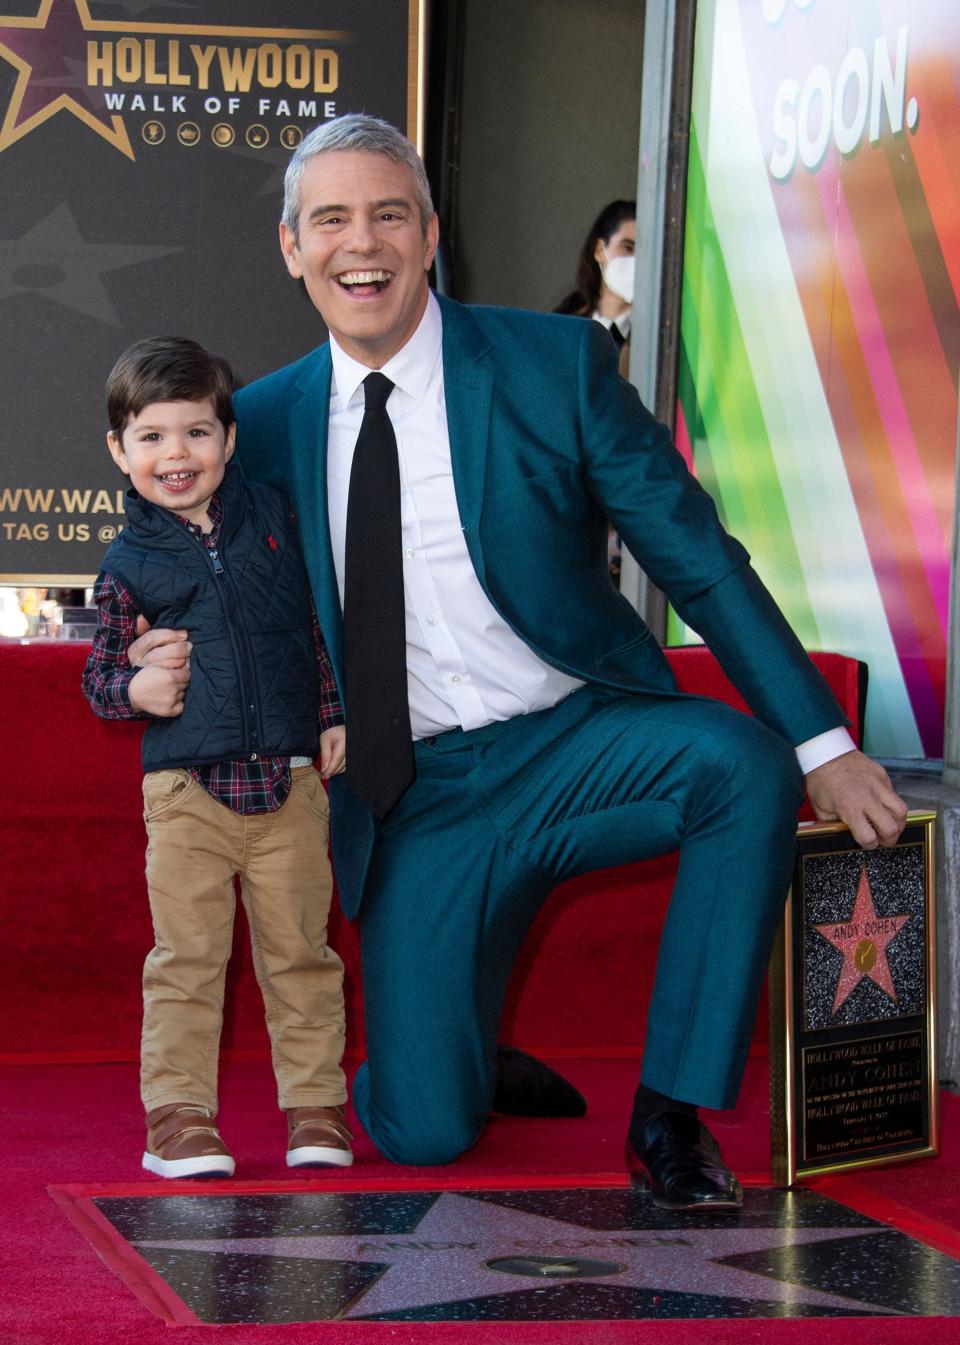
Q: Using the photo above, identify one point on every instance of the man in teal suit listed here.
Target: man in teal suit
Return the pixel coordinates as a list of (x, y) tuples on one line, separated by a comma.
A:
[(549, 737)]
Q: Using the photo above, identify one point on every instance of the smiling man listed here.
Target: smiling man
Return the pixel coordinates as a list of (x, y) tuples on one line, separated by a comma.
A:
[(511, 721), (360, 233)]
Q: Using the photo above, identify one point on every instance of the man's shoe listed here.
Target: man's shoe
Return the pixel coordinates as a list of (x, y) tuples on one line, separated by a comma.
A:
[(183, 1141), (528, 1087), (680, 1162), (317, 1137)]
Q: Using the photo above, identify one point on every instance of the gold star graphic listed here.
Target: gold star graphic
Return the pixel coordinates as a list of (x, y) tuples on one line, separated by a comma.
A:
[(41, 46)]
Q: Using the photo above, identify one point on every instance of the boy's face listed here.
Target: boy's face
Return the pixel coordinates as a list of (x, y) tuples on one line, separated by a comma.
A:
[(175, 454)]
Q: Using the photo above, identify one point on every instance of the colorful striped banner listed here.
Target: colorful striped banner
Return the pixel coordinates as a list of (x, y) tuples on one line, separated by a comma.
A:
[(821, 324)]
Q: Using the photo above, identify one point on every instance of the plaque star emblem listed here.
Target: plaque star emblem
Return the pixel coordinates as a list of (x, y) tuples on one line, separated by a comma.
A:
[(863, 941)]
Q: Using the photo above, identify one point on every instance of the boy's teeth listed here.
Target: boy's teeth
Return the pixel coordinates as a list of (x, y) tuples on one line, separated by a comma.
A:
[(176, 476)]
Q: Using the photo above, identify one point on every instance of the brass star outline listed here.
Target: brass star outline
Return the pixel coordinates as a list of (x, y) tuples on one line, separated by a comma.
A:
[(116, 133)]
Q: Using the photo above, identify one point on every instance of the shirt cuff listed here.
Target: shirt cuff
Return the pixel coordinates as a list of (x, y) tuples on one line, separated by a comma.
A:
[(823, 748), (118, 694), (330, 712)]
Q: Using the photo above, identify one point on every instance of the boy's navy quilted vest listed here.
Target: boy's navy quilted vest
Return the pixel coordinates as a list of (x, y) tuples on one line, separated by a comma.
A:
[(253, 671)]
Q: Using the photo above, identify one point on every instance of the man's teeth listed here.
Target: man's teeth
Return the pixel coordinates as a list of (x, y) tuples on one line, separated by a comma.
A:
[(365, 278)]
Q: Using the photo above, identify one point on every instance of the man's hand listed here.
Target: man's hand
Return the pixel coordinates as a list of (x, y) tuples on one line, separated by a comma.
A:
[(160, 648), (159, 691), (853, 789), (333, 751)]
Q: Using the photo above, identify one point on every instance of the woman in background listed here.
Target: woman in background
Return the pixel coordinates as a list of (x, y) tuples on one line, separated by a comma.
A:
[(604, 292), (604, 281)]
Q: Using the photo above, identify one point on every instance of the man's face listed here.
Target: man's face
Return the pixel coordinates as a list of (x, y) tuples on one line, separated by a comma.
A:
[(361, 251)]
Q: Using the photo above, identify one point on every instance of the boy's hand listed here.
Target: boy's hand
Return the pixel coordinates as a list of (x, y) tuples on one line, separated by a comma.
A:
[(159, 691), (160, 648), (333, 750)]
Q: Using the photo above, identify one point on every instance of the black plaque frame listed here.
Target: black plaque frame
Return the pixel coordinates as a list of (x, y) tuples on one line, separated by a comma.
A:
[(853, 1083)]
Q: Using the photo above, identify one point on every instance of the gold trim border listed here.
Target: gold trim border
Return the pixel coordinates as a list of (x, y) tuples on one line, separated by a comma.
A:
[(417, 18), (783, 1063)]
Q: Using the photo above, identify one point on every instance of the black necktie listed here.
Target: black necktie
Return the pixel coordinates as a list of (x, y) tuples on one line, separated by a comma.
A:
[(379, 747), (617, 335)]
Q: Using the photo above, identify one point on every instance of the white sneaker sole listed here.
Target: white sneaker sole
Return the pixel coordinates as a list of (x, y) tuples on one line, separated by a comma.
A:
[(212, 1165), (319, 1156)]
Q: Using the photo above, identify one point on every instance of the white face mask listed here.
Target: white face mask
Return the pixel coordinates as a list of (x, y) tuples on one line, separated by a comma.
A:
[(618, 275)]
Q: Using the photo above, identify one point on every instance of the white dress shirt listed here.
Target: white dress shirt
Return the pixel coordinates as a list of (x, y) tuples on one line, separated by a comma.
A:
[(465, 666), (623, 322)]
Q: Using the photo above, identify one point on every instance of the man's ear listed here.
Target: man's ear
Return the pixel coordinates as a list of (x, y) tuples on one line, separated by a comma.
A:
[(116, 452), (431, 237), (290, 248)]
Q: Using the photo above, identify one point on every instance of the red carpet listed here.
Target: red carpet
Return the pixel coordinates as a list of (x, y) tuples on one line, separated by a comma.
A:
[(70, 984), (81, 1124), (76, 930)]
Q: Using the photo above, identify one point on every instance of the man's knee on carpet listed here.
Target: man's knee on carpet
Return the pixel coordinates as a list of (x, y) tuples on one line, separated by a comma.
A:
[(419, 1142), (412, 1128)]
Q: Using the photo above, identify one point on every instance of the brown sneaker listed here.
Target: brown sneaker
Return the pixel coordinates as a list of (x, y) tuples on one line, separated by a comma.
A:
[(183, 1141), (318, 1138)]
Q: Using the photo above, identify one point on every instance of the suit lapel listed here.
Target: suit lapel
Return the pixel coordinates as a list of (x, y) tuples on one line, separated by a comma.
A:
[(308, 425), (468, 389)]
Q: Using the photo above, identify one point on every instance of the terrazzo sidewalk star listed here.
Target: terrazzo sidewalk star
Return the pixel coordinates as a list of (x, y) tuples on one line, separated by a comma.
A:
[(582, 1253)]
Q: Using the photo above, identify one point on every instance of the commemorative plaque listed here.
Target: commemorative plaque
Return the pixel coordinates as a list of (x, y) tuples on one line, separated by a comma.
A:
[(852, 1005)]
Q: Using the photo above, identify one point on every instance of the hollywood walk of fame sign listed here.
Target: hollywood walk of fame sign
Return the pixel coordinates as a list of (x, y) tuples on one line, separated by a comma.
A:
[(563, 1254), (142, 150), (852, 1004)]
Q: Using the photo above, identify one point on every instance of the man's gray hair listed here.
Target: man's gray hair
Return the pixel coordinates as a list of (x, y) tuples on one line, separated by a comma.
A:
[(355, 131)]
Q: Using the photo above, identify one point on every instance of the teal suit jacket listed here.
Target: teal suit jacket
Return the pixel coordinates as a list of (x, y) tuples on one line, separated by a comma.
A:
[(547, 444)]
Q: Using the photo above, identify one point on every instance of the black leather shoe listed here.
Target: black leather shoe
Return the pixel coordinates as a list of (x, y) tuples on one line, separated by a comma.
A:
[(528, 1087), (680, 1162)]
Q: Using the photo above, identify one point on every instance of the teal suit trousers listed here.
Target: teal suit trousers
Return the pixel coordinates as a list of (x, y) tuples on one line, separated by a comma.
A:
[(496, 818)]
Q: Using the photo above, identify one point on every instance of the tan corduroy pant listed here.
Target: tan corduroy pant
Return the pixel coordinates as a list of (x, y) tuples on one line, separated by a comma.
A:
[(195, 848)]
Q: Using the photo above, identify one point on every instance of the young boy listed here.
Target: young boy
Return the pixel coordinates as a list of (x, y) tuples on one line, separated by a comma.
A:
[(229, 785)]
